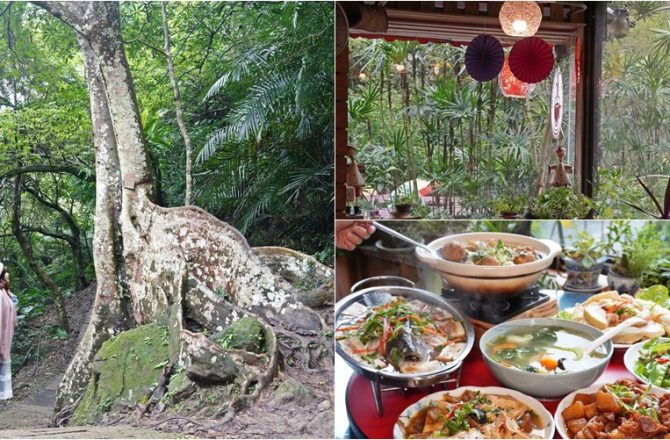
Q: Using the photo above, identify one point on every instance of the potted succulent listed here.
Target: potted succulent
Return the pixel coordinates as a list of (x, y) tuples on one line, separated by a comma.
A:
[(584, 262), (639, 253), (511, 206), (561, 203)]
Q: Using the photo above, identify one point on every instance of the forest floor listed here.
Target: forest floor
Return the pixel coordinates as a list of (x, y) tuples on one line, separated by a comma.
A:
[(307, 414)]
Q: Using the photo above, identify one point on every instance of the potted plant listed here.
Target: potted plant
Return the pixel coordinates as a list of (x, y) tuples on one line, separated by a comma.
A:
[(584, 262), (639, 253), (403, 204), (561, 203), (511, 206)]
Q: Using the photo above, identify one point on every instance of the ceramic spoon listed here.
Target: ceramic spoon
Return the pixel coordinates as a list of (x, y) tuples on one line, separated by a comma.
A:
[(400, 236), (630, 322)]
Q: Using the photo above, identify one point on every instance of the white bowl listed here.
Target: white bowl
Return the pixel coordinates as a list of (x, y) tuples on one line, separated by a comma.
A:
[(491, 280), (533, 404), (567, 401), (546, 386), (631, 356)]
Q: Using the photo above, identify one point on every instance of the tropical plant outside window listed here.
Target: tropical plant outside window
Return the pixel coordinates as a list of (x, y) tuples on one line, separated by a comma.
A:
[(635, 108), (414, 112)]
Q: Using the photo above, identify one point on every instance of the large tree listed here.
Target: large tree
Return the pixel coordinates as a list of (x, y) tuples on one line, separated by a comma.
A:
[(181, 263)]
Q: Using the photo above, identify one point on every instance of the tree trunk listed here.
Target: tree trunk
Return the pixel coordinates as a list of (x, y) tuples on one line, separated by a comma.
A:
[(111, 312), (35, 265), (179, 266), (178, 108)]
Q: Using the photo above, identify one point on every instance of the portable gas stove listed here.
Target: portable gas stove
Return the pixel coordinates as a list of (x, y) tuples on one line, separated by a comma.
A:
[(486, 312)]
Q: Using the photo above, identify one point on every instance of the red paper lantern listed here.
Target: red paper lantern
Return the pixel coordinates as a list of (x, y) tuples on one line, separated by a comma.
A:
[(510, 85), (531, 59)]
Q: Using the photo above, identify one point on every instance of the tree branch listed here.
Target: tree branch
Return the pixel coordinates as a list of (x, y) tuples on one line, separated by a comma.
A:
[(79, 173), (67, 12), (63, 237)]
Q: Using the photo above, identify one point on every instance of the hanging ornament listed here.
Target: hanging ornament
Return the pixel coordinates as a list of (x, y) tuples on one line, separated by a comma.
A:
[(510, 85), (484, 58), (531, 59), (520, 19), (557, 104)]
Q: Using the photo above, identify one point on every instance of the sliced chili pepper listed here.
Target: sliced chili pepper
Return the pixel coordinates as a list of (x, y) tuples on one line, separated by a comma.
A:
[(385, 336)]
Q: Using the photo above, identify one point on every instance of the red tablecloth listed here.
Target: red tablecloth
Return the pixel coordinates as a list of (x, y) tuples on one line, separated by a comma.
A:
[(365, 421)]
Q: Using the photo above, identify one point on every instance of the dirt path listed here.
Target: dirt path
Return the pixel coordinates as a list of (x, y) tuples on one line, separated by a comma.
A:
[(33, 411), (87, 432)]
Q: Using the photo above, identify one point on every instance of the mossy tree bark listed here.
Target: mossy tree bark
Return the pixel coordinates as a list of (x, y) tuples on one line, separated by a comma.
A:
[(177, 266)]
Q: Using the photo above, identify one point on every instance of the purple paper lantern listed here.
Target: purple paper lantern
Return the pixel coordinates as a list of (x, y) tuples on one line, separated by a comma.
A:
[(484, 58)]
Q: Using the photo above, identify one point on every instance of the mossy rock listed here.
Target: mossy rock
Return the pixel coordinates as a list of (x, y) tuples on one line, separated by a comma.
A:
[(292, 391), (244, 334), (125, 370), (180, 387)]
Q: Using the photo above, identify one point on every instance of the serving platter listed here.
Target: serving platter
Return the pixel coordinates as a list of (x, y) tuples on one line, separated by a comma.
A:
[(381, 295), (533, 404), (630, 358)]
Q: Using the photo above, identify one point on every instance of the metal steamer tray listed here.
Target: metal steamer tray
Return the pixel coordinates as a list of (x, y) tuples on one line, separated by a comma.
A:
[(375, 296)]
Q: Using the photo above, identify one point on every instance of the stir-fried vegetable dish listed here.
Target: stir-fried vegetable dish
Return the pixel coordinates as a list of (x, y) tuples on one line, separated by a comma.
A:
[(488, 253), (543, 350), (401, 336), (654, 362), (473, 415), (624, 409)]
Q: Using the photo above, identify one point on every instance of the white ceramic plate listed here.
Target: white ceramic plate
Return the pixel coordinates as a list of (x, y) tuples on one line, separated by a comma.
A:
[(631, 356), (567, 401), (618, 347), (533, 404)]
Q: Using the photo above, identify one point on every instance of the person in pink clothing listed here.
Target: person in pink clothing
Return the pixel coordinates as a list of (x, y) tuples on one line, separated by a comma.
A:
[(7, 323)]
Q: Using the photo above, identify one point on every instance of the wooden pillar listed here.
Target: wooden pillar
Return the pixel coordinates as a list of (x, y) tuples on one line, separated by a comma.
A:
[(341, 138), (594, 37)]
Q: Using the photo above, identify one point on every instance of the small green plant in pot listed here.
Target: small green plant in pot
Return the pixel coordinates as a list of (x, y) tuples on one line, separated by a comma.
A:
[(639, 254), (584, 262), (511, 206), (403, 204)]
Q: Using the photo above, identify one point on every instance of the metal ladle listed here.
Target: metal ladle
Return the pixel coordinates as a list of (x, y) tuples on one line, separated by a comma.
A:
[(400, 236)]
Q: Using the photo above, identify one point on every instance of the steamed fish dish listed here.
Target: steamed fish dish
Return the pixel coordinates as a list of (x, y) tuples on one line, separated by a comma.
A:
[(544, 350), (401, 336), (607, 309), (624, 409), (474, 415), (488, 253)]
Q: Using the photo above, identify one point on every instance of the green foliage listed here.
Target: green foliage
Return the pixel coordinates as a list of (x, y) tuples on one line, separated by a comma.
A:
[(586, 249), (57, 332), (562, 203), (475, 144), (267, 167), (640, 252)]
